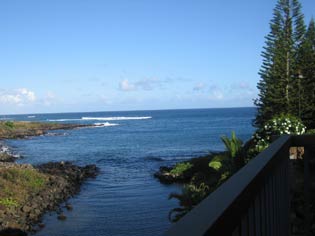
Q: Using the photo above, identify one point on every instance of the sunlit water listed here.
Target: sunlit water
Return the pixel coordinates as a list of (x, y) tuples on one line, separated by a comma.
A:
[(125, 199)]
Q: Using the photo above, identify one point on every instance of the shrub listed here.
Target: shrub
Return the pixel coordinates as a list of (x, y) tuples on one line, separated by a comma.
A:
[(310, 131), (9, 124), (191, 196), (220, 161), (180, 168), (235, 151), (233, 145), (215, 165), (224, 164), (278, 125)]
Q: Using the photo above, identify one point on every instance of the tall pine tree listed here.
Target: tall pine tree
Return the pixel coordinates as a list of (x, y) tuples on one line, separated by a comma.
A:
[(306, 70), (278, 71)]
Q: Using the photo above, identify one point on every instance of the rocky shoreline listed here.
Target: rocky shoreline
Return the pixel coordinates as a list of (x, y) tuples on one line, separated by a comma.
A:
[(63, 181), (27, 192)]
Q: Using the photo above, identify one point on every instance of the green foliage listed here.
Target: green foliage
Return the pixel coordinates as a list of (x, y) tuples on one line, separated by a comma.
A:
[(278, 92), (306, 75), (223, 165), (215, 165), (9, 124), (235, 151), (282, 124), (233, 145), (180, 168), (27, 177), (310, 131), (224, 176), (8, 202), (220, 162), (18, 183), (191, 196)]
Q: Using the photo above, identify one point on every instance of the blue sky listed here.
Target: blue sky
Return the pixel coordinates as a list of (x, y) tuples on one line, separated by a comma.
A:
[(102, 55)]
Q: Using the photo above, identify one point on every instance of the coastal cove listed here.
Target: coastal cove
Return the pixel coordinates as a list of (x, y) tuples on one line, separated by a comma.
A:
[(128, 147)]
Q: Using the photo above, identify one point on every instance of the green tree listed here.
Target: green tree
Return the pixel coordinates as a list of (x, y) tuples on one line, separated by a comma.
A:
[(306, 75), (278, 70)]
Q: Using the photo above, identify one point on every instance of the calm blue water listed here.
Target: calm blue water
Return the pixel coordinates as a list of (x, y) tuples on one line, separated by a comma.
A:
[(125, 199)]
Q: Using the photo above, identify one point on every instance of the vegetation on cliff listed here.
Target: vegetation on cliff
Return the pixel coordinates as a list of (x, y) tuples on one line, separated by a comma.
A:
[(23, 129), (27, 191)]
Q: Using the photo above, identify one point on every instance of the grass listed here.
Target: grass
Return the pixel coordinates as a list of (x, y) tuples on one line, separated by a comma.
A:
[(18, 129), (9, 124), (8, 202), (17, 184)]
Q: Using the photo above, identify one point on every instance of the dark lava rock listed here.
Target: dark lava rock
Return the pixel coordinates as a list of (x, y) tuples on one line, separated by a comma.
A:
[(26, 209), (6, 157), (61, 217), (41, 225), (12, 232), (69, 207)]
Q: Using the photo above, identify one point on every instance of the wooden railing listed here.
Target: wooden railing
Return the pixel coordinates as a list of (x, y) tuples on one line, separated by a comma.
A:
[(255, 200)]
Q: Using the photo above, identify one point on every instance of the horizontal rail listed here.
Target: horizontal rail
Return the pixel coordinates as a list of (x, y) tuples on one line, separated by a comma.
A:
[(306, 140)]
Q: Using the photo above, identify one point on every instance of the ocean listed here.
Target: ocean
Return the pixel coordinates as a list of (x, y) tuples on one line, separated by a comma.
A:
[(128, 147)]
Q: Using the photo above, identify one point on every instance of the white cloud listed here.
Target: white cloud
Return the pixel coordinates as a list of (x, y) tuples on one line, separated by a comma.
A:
[(29, 95), (216, 93), (49, 98), (105, 100), (125, 85), (148, 83), (143, 84), (199, 86), (19, 96)]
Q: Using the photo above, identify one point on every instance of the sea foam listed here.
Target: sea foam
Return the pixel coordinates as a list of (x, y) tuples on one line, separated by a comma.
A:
[(104, 118), (61, 120), (118, 118), (105, 124)]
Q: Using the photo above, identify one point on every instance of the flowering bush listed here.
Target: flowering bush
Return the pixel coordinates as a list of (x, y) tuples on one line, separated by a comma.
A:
[(283, 124)]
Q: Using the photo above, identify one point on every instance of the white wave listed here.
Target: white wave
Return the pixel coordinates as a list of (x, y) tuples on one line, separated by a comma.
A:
[(31, 116), (5, 118), (6, 150), (105, 124), (56, 134), (3, 148), (61, 120), (118, 118), (104, 118)]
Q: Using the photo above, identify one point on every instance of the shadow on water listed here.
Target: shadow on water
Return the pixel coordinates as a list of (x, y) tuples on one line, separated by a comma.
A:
[(12, 232)]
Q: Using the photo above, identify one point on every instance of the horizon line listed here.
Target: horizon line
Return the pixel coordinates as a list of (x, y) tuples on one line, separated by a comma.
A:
[(167, 109)]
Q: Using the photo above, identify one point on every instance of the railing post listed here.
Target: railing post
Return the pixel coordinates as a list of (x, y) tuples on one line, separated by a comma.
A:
[(287, 194), (307, 189)]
